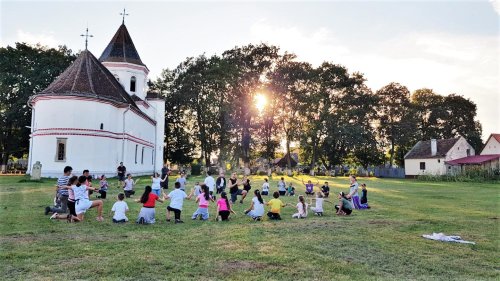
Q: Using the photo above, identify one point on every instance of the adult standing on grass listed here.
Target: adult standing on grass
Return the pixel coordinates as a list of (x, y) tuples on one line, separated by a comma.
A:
[(353, 193), (233, 188), (210, 183), (220, 183), (61, 193), (165, 172), (121, 171)]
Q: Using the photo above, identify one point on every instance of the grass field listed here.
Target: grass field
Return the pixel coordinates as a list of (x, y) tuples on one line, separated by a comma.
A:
[(383, 243)]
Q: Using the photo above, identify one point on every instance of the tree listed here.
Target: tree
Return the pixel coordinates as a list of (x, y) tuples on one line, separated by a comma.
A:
[(252, 63), (397, 123), (460, 120), (429, 113), (290, 83), (24, 71), (179, 146)]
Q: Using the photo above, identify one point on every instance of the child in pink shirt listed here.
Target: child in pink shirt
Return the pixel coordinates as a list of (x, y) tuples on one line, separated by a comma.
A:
[(203, 200), (224, 207)]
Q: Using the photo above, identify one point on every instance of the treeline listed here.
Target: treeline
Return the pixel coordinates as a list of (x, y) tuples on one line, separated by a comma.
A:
[(336, 118), (210, 108), (24, 71)]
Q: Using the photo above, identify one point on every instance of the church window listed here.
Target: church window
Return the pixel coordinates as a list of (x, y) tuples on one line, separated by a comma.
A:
[(61, 149), (132, 84), (102, 126), (142, 156), (136, 147)]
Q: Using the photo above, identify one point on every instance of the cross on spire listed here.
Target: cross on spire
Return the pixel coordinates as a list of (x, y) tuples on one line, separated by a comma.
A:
[(86, 35), (123, 14)]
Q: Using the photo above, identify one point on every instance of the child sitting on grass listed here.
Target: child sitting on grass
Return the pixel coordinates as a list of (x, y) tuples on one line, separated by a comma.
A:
[(290, 191), (301, 209), (224, 208), (103, 187), (120, 208), (364, 196), (256, 210), (318, 209), (203, 201), (148, 199), (276, 205), (265, 187)]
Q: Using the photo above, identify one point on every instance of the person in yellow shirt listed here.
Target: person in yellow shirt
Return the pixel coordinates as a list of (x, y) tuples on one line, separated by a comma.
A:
[(276, 205)]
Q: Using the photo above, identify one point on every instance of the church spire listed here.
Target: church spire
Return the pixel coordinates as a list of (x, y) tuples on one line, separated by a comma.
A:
[(121, 49), (123, 14)]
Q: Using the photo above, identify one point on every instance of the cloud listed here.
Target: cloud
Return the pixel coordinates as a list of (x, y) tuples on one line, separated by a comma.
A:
[(496, 5), (42, 38), (307, 46)]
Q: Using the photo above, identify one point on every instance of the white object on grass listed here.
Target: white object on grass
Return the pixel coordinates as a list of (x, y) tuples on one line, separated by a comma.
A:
[(447, 238)]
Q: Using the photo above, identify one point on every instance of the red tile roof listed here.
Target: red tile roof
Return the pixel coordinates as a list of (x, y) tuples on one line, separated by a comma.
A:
[(86, 76), (476, 159)]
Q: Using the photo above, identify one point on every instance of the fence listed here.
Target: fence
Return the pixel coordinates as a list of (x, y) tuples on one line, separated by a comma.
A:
[(381, 172)]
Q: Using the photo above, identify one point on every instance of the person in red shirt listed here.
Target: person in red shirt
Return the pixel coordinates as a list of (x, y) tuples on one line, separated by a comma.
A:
[(147, 213)]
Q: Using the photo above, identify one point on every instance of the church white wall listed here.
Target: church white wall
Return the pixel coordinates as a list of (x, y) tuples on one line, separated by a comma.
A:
[(159, 106), (87, 146), (125, 72)]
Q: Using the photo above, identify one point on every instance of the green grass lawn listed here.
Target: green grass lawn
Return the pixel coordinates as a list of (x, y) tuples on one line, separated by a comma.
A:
[(383, 243)]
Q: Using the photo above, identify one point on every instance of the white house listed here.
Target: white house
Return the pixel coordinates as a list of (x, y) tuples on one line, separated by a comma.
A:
[(429, 157), (492, 146), (489, 158), (98, 113)]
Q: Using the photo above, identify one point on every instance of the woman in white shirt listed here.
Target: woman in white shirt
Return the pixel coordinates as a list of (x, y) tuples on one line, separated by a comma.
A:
[(256, 210)]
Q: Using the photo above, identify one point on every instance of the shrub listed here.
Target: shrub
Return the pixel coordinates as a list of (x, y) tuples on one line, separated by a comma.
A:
[(195, 169)]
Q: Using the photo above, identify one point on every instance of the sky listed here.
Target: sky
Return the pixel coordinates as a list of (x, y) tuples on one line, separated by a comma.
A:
[(447, 46)]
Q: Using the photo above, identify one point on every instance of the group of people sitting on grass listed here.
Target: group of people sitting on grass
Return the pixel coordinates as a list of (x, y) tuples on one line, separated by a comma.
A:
[(73, 194)]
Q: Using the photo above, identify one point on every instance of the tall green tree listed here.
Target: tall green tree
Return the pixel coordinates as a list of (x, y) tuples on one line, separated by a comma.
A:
[(290, 82), (396, 115), (252, 63), (24, 71), (460, 120), (429, 113)]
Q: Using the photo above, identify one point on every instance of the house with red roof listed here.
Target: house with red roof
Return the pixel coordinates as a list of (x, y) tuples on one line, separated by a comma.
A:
[(489, 158)]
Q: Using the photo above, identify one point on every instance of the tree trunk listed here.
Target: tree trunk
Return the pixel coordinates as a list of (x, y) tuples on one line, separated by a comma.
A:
[(314, 155), (289, 157), (391, 159)]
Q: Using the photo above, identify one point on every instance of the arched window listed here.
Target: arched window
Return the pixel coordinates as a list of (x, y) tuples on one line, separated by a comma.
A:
[(132, 84), (102, 126)]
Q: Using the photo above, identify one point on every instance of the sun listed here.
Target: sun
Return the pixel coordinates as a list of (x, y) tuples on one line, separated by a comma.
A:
[(260, 102)]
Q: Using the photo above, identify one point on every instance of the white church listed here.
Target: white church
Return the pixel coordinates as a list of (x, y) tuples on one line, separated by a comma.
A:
[(99, 113)]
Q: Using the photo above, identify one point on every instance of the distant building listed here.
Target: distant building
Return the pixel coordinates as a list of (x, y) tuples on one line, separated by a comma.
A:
[(283, 162), (429, 157), (98, 113), (489, 158)]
